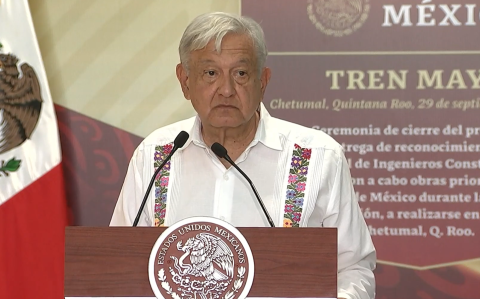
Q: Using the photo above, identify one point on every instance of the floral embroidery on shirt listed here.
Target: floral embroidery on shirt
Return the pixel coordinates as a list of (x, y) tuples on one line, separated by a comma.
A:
[(161, 182), (297, 181)]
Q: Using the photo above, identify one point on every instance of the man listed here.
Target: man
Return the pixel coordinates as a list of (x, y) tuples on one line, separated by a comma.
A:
[(301, 173)]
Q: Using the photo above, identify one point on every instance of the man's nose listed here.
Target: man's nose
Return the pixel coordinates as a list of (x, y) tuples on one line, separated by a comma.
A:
[(227, 86)]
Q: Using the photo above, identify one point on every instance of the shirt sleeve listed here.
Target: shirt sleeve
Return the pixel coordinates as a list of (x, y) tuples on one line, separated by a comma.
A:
[(131, 195), (356, 252)]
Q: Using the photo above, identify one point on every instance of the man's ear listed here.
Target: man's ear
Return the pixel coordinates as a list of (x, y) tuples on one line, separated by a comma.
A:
[(264, 79), (182, 77)]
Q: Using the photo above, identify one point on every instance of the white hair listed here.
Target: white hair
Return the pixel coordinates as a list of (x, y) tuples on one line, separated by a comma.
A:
[(214, 26)]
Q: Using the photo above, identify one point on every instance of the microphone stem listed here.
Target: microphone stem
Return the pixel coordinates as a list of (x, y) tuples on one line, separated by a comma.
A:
[(151, 184)]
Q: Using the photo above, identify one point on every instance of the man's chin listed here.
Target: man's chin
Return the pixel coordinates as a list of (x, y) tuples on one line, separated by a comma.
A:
[(226, 125), (226, 122)]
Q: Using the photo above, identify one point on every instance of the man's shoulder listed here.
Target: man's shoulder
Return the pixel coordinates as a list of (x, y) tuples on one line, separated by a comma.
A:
[(304, 136), (167, 134)]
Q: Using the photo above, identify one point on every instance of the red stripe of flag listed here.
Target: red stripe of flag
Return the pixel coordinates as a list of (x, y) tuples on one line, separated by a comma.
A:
[(32, 228)]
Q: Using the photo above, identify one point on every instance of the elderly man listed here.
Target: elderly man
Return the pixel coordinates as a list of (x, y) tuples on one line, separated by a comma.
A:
[(301, 174)]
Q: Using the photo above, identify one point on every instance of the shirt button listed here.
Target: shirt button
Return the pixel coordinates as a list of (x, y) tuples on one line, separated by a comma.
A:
[(225, 177)]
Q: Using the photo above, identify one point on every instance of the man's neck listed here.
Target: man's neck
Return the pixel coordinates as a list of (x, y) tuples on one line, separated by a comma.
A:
[(235, 140)]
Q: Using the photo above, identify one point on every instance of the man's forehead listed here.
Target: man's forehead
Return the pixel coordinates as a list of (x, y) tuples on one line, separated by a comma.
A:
[(234, 49), (230, 42), (239, 60)]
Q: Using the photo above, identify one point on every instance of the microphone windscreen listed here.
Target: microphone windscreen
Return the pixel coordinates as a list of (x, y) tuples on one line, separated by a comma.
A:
[(181, 138), (219, 150)]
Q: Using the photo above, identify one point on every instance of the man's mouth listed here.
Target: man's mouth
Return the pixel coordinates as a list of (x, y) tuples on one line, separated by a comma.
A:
[(225, 106)]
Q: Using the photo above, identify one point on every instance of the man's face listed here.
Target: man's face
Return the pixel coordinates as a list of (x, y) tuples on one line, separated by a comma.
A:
[(226, 88)]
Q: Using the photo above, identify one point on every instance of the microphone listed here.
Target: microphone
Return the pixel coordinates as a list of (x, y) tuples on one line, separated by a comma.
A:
[(221, 152), (179, 141)]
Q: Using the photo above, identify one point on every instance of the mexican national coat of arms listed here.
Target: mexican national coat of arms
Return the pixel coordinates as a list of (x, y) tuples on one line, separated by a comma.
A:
[(20, 106), (201, 258), (338, 17)]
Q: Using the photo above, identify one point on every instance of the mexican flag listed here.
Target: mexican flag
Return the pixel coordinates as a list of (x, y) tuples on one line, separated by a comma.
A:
[(32, 200)]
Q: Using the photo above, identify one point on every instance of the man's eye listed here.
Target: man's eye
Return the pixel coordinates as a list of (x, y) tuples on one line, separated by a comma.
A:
[(211, 73), (242, 73)]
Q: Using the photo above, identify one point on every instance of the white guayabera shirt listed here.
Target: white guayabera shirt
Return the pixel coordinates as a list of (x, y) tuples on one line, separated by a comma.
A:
[(195, 183)]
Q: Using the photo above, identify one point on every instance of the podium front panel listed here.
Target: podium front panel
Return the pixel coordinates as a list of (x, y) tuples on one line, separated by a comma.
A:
[(113, 261)]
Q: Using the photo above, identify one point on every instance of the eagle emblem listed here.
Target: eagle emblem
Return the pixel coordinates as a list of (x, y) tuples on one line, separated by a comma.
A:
[(20, 105), (208, 254), (201, 258), (338, 17), (20, 102)]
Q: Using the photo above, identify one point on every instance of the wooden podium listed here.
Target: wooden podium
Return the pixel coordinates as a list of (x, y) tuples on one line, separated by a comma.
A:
[(113, 261)]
